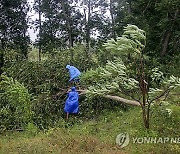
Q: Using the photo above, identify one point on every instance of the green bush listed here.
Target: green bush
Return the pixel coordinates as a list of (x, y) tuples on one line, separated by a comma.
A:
[(43, 80), (48, 110), (15, 105), (39, 77)]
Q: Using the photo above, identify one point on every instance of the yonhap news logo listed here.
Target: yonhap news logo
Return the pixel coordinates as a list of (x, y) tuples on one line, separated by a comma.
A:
[(123, 140)]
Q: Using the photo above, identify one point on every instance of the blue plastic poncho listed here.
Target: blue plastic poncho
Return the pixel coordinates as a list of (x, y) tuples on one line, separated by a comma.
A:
[(73, 72), (72, 102)]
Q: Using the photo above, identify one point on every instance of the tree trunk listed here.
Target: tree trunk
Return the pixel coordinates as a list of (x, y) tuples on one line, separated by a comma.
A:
[(40, 30), (143, 86), (25, 45), (87, 22), (69, 30), (165, 44), (129, 7), (148, 117), (112, 20), (116, 98), (168, 35), (145, 118), (1, 61), (123, 100), (176, 44), (2, 55)]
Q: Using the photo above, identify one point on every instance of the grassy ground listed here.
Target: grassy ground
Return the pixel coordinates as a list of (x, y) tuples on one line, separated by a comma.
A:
[(96, 136)]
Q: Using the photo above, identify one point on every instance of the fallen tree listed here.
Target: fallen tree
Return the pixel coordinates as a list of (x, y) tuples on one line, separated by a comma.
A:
[(118, 82), (123, 100), (115, 98), (115, 79)]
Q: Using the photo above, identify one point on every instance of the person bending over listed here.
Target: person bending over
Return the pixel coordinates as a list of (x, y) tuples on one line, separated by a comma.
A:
[(74, 73)]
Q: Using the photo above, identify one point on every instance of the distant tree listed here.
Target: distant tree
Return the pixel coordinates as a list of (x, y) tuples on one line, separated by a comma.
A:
[(38, 8), (13, 27), (112, 10), (61, 26), (96, 21), (87, 18), (161, 20)]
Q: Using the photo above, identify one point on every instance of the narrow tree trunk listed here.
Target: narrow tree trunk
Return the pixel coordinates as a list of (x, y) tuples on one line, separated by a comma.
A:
[(144, 106), (88, 28), (144, 115), (2, 55), (40, 31), (25, 45), (129, 7), (148, 117), (69, 29), (1, 61), (112, 19), (143, 86), (168, 35), (146, 120), (165, 44), (176, 44)]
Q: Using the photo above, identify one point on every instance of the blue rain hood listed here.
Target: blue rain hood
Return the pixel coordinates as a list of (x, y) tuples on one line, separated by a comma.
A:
[(72, 102), (68, 67), (73, 72)]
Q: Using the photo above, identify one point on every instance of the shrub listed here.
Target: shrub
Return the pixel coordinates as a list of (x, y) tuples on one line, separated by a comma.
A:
[(15, 105)]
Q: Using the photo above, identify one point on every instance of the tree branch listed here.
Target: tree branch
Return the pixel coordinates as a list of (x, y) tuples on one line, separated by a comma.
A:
[(146, 7), (161, 95)]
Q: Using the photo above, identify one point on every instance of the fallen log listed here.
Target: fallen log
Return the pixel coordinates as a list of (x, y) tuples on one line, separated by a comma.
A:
[(123, 100), (116, 98)]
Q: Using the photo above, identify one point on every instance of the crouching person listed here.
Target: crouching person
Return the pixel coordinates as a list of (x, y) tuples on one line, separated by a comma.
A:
[(72, 103)]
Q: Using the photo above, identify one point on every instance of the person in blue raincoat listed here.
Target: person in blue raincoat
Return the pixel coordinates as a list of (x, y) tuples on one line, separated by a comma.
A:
[(74, 73), (72, 102)]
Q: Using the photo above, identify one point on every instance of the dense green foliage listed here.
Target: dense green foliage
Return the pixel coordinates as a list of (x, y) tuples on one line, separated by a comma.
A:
[(15, 107), (47, 82), (43, 80)]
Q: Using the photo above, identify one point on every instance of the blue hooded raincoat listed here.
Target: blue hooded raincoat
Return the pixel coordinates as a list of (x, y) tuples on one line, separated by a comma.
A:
[(73, 72), (72, 102)]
